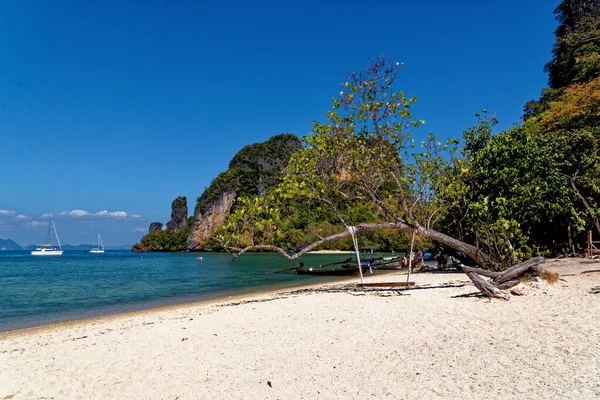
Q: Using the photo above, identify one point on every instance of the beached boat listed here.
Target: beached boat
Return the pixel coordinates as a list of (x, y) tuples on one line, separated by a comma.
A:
[(385, 263), (338, 271), (391, 263), (98, 249), (377, 263), (49, 249)]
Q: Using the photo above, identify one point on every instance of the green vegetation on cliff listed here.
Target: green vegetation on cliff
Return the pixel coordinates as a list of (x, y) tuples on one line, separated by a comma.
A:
[(534, 189), (163, 240), (252, 171), (174, 238)]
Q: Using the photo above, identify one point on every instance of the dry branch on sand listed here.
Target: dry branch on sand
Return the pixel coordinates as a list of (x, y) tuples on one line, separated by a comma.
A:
[(501, 281)]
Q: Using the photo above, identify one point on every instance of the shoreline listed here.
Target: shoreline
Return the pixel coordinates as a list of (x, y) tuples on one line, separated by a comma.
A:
[(217, 301), (441, 339), (28, 321)]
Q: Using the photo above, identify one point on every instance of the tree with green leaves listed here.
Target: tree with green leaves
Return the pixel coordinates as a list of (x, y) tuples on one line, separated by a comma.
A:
[(508, 198), (565, 120), (366, 152), (576, 53)]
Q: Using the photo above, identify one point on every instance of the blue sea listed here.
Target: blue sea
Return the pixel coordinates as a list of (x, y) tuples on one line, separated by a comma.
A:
[(76, 285)]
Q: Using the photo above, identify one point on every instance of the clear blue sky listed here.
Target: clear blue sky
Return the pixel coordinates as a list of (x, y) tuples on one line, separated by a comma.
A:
[(125, 105)]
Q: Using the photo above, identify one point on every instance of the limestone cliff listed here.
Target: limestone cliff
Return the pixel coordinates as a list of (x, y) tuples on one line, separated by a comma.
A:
[(252, 171), (179, 215), (155, 226), (207, 218)]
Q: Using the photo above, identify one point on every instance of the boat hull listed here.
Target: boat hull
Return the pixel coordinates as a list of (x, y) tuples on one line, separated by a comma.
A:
[(47, 253), (96, 251), (331, 271)]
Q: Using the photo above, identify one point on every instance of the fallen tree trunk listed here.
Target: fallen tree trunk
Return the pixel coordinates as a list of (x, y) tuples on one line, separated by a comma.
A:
[(470, 250), (538, 269), (518, 269), (486, 287), (502, 280), (507, 285), (480, 271)]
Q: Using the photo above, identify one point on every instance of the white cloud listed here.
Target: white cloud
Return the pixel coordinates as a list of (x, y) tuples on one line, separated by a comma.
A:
[(99, 214), (76, 213), (34, 224), (10, 214), (140, 230)]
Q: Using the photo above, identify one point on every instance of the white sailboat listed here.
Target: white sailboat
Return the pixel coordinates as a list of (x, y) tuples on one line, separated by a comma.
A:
[(98, 250), (49, 249)]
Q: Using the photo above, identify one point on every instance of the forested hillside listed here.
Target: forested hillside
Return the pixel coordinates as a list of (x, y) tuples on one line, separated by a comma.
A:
[(500, 198), (531, 190)]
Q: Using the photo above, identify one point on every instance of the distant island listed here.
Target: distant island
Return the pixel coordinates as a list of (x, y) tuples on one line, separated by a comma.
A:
[(11, 245), (7, 244)]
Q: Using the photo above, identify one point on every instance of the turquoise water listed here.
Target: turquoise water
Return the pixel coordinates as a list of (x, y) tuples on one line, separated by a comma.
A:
[(39, 290)]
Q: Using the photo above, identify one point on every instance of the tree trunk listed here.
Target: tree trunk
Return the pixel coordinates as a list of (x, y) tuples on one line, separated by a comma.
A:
[(507, 285), (456, 244), (486, 287), (518, 269), (470, 250), (571, 247), (480, 271), (586, 205), (410, 256)]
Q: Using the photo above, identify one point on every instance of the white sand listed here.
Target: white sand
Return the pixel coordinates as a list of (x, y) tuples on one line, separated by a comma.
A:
[(425, 344)]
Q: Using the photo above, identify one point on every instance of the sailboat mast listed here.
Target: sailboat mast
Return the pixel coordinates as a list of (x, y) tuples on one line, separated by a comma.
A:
[(56, 233)]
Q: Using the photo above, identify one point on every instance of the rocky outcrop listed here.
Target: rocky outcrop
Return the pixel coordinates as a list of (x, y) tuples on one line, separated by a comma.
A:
[(266, 159), (252, 172), (155, 226), (209, 217), (179, 215)]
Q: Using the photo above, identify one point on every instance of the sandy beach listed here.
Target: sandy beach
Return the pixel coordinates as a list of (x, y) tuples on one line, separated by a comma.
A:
[(437, 340)]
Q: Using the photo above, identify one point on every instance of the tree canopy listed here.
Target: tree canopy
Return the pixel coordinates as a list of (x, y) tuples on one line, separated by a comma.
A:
[(576, 53)]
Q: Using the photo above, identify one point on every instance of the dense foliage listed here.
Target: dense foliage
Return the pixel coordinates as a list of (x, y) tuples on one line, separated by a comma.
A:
[(576, 53), (530, 190), (362, 167), (534, 189), (163, 240), (252, 171)]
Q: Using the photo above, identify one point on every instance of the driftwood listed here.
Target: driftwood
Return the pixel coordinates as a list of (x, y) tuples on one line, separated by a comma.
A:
[(502, 280), (507, 285), (481, 271), (486, 287), (538, 269), (518, 269)]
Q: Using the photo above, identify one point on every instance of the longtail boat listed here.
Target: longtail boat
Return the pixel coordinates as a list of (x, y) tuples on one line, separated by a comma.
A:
[(341, 268), (327, 271)]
